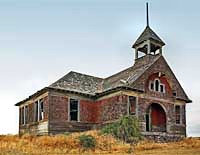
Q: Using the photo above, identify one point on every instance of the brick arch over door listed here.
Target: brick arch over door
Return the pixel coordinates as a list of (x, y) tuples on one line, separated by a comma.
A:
[(156, 120)]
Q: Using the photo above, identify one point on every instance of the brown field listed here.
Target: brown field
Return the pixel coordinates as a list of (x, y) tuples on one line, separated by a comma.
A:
[(69, 144)]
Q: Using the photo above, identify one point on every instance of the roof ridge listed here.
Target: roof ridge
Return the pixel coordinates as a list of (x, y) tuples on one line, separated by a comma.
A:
[(118, 73), (85, 74)]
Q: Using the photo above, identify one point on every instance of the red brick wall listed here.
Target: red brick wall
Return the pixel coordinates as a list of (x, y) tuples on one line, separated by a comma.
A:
[(112, 108), (162, 79), (58, 108), (89, 111)]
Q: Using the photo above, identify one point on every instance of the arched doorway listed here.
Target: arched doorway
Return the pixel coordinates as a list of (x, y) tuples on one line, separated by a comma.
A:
[(155, 118)]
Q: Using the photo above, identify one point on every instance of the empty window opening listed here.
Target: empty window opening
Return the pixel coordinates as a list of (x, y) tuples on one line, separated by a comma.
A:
[(178, 114), (132, 105), (174, 94), (26, 115), (41, 110), (23, 116), (74, 106), (36, 111), (161, 88), (156, 85), (152, 86)]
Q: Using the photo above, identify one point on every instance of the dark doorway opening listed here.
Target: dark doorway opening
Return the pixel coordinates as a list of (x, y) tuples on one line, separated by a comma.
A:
[(147, 122), (156, 120)]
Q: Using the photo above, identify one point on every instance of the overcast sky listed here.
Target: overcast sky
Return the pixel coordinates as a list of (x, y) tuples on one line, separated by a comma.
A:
[(42, 40)]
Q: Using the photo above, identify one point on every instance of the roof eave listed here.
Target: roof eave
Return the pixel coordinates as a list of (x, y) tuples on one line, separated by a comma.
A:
[(53, 89), (116, 89), (186, 100)]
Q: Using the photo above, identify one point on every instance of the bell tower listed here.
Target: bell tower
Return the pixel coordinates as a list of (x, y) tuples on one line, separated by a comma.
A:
[(149, 43)]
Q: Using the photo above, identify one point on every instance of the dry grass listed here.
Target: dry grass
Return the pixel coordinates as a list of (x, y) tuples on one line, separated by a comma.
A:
[(61, 144)]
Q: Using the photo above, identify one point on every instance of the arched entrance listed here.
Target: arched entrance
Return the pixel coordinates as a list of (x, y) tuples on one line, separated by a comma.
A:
[(155, 118)]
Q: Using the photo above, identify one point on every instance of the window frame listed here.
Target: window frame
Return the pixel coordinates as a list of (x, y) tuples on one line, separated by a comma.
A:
[(78, 110), (40, 110), (177, 115), (152, 86), (129, 106)]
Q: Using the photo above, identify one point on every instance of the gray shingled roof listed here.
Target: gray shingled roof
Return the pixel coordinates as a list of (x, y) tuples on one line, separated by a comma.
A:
[(87, 85), (82, 83), (79, 82), (148, 34), (131, 74)]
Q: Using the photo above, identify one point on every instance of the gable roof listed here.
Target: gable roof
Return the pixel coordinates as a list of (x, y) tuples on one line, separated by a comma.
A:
[(93, 87), (131, 74), (79, 82), (148, 34)]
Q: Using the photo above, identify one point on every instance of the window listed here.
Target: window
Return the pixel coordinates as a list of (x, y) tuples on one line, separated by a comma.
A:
[(162, 88), (174, 93), (41, 110), (74, 110), (132, 105), (36, 111), (23, 116), (178, 114), (26, 115), (20, 116), (152, 86), (156, 85)]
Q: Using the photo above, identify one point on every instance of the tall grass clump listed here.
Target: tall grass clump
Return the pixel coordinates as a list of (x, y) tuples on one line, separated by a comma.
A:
[(126, 129), (87, 141)]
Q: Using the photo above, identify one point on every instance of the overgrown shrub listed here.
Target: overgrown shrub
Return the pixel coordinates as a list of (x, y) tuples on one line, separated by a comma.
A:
[(87, 141), (126, 129)]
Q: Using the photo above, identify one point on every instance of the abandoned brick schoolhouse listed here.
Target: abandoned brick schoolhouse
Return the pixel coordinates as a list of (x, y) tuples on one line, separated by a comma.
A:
[(77, 102)]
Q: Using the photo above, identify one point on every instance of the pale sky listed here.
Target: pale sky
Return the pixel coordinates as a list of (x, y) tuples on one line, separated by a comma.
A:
[(42, 40)]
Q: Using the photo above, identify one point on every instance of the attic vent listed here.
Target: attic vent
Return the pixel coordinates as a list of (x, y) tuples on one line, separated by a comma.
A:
[(174, 94)]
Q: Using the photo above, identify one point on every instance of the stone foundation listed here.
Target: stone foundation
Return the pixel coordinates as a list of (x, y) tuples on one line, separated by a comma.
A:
[(162, 137)]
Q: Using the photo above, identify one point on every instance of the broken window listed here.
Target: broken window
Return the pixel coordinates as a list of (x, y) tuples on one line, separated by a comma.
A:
[(132, 105), (162, 88), (26, 115), (183, 115), (178, 114), (156, 85), (74, 106), (23, 116), (41, 110), (152, 86), (36, 111)]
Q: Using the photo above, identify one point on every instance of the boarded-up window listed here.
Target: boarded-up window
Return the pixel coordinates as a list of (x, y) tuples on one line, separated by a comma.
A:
[(73, 110), (178, 114), (132, 105)]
